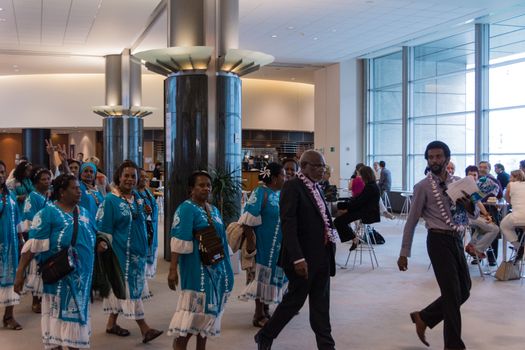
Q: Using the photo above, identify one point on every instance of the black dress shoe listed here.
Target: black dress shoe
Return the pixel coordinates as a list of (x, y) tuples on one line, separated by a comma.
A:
[(263, 343), (421, 326)]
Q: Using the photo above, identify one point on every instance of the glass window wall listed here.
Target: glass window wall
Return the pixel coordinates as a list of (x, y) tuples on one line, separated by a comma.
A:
[(384, 124)]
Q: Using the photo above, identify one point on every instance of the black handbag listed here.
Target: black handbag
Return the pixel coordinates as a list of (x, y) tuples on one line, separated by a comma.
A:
[(60, 264), (150, 231), (211, 249)]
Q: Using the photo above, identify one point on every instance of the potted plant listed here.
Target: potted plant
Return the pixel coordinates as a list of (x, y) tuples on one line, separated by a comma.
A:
[(226, 193)]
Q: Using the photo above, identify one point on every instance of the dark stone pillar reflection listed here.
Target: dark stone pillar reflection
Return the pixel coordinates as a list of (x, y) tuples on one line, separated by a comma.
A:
[(229, 129), (123, 139), (34, 145), (186, 140)]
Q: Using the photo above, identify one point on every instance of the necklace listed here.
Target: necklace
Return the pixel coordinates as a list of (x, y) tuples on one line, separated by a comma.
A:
[(329, 233)]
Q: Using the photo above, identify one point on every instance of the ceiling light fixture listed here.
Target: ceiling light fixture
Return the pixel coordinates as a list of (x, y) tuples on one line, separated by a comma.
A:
[(1, 9), (334, 30), (2, 19), (15, 66), (316, 38), (291, 28), (274, 36)]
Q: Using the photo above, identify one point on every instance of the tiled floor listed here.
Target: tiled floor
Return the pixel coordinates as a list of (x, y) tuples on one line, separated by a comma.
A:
[(369, 310)]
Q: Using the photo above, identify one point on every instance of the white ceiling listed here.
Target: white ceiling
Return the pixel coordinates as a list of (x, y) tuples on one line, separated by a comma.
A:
[(71, 36)]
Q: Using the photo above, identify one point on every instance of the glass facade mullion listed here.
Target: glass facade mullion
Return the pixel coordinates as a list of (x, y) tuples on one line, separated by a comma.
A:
[(440, 90)]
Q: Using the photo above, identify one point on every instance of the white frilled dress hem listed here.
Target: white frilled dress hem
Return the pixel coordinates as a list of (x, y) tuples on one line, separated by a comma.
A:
[(132, 309), (267, 293), (34, 283), (151, 269), (190, 316), (8, 297), (56, 332)]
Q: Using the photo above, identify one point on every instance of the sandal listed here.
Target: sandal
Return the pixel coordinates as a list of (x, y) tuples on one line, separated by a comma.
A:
[(267, 313), (150, 335), (36, 308), (260, 322), (10, 323), (117, 330)]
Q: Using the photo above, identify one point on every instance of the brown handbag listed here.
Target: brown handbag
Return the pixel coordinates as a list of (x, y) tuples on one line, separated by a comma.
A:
[(211, 249)]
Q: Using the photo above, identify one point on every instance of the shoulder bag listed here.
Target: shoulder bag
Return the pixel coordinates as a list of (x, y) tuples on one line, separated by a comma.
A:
[(60, 264), (507, 271), (211, 249)]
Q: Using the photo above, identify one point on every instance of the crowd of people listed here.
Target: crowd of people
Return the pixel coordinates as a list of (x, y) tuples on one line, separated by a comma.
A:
[(67, 232)]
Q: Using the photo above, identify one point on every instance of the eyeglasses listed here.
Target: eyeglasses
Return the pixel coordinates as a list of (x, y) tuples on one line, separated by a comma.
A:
[(317, 166)]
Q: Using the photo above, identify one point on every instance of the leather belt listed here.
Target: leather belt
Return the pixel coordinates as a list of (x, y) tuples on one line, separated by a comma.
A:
[(445, 232)]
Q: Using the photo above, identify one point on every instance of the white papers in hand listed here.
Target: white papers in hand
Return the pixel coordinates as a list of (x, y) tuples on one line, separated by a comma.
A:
[(467, 184)]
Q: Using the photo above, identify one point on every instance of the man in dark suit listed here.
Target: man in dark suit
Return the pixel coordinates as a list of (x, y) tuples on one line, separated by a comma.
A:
[(307, 254), (385, 178)]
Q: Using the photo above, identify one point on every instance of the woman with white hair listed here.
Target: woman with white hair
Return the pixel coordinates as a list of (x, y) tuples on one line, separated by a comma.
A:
[(515, 195)]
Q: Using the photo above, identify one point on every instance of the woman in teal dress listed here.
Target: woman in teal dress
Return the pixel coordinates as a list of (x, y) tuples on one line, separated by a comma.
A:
[(36, 201), (9, 240), (21, 184), (204, 290), (261, 214), (151, 210), (65, 304), (91, 197), (122, 221)]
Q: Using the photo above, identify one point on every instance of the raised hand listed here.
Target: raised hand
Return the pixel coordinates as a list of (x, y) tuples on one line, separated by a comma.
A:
[(49, 147)]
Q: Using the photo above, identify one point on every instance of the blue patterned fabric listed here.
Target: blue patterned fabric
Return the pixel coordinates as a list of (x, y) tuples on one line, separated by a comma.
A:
[(125, 223), (90, 200), (72, 292), (216, 281), (8, 243), (149, 199), (270, 278)]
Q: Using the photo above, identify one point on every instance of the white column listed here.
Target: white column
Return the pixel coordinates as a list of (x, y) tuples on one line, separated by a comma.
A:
[(338, 126)]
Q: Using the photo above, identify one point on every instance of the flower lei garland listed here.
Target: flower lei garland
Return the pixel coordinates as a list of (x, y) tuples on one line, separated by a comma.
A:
[(457, 218), (330, 235)]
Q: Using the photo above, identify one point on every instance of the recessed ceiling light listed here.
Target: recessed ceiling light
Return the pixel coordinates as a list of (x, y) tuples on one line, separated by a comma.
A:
[(274, 36), (17, 70), (292, 78), (334, 30), (316, 38), (15, 66), (291, 28), (1, 9), (2, 19)]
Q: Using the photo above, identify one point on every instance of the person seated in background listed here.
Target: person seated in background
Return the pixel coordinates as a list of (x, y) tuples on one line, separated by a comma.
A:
[(502, 177), (157, 171), (485, 229), (356, 185), (490, 187), (515, 195), (451, 168), (330, 191), (364, 207), (377, 170)]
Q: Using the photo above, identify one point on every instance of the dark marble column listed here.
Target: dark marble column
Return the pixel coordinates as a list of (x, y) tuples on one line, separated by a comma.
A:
[(34, 145), (186, 132), (122, 141), (229, 130)]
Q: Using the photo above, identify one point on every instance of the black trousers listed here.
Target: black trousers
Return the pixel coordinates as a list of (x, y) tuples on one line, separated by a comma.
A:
[(317, 289), (342, 224), (452, 274)]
